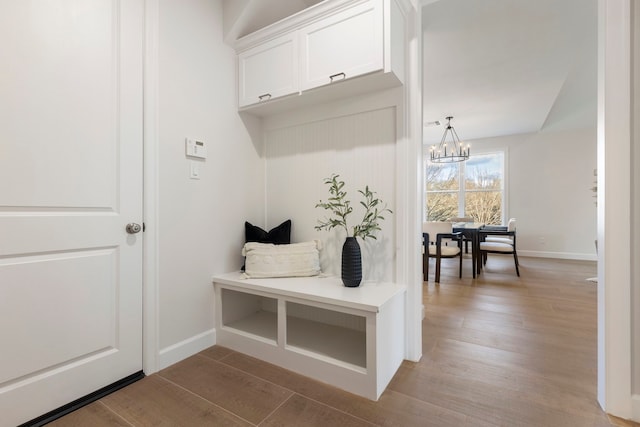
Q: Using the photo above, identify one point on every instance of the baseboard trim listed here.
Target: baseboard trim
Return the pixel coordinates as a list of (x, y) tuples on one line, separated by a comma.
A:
[(635, 408), (180, 351), (559, 255), (83, 401)]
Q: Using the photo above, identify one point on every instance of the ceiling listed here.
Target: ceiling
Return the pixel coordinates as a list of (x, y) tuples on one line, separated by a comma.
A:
[(499, 67), (503, 67)]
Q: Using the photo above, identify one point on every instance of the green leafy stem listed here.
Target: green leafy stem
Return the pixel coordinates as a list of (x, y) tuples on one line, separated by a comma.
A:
[(340, 208)]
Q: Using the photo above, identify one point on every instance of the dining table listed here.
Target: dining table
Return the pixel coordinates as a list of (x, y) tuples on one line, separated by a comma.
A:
[(470, 230)]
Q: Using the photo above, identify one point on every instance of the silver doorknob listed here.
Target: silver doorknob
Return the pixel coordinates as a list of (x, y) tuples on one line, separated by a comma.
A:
[(133, 228)]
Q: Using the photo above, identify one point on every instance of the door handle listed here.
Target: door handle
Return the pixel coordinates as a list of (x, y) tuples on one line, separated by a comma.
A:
[(133, 228)]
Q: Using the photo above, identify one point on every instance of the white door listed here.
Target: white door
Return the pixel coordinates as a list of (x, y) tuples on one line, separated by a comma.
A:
[(70, 181)]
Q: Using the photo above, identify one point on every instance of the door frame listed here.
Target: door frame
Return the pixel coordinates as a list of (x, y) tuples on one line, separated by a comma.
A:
[(615, 266), (150, 288)]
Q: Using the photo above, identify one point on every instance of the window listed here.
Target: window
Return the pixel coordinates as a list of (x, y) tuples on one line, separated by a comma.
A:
[(474, 188)]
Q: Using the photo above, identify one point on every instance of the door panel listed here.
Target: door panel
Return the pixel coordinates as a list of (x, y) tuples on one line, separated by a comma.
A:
[(349, 43), (70, 181), (59, 103), (269, 70), (32, 282)]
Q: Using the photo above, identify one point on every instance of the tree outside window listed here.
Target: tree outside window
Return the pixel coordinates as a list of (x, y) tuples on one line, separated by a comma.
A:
[(480, 196), (443, 189)]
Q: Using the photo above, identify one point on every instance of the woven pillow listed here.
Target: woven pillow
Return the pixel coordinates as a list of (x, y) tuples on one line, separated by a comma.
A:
[(293, 260), (279, 235)]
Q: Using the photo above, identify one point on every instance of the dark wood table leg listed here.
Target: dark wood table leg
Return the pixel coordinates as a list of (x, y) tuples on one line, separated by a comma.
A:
[(476, 249), (473, 237)]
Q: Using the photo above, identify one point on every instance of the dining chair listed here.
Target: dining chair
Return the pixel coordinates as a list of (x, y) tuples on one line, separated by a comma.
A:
[(465, 239), (500, 242), (511, 226), (439, 241)]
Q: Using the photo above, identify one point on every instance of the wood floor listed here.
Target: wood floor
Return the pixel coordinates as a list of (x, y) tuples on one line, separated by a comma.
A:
[(498, 351)]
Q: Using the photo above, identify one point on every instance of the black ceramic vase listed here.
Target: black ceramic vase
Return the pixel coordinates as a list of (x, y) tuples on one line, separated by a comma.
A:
[(351, 263)]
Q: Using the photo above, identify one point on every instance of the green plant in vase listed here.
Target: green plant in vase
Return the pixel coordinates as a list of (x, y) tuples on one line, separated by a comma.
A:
[(340, 208)]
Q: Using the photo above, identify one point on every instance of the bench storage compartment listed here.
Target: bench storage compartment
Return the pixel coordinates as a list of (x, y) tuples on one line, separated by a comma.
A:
[(351, 338)]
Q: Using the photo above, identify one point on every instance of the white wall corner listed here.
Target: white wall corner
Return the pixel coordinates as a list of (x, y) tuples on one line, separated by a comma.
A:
[(186, 348), (411, 185), (614, 207)]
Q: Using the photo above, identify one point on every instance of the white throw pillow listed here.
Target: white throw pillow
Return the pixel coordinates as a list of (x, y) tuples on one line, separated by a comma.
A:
[(293, 260)]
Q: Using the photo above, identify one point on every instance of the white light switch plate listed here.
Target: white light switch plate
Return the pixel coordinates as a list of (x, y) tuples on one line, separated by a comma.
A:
[(194, 170)]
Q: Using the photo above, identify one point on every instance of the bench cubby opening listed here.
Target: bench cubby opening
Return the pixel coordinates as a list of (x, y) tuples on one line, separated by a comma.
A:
[(351, 338)]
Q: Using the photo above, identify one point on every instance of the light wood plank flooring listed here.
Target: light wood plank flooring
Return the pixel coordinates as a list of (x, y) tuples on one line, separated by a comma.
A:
[(498, 351)]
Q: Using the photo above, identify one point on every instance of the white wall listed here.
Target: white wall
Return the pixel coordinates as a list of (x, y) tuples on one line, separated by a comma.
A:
[(549, 176), (201, 222), (635, 208), (355, 139), (615, 201)]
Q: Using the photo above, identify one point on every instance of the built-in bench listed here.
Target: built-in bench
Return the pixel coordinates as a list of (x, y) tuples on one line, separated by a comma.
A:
[(351, 338)]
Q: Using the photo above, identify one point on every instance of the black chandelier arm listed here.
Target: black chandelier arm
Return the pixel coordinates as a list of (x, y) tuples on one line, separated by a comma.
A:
[(456, 136)]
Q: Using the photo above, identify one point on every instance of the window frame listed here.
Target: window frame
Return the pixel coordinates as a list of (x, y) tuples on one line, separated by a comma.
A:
[(461, 191)]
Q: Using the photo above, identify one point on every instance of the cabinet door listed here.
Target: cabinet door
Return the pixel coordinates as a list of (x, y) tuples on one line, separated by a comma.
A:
[(268, 71), (341, 46)]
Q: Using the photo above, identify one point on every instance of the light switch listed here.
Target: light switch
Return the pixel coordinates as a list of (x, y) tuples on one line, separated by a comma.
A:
[(194, 170), (194, 148)]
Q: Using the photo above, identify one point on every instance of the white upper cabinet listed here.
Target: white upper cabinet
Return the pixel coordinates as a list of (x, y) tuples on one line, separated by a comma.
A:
[(268, 71), (343, 45), (317, 54)]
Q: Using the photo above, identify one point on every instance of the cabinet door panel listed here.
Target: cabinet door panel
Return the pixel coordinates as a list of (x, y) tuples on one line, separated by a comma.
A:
[(268, 71), (344, 45)]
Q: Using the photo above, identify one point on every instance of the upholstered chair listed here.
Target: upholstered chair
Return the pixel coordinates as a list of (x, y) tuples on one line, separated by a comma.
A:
[(500, 242), (439, 242), (465, 239)]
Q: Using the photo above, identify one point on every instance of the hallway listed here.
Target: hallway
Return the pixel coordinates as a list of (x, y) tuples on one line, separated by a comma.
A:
[(498, 351)]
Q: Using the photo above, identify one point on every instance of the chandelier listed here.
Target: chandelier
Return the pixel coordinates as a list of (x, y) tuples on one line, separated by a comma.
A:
[(449, 151)]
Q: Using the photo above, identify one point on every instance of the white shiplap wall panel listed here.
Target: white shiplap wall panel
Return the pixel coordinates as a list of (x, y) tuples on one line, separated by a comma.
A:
[(361, 148)]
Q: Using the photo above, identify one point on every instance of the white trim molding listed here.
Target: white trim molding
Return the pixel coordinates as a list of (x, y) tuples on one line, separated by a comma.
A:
[(293, 22), (150, 302), (558, 255), (186, 348), (635, 410), (614, 208), (413, 182)]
